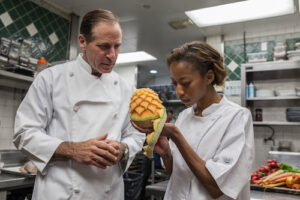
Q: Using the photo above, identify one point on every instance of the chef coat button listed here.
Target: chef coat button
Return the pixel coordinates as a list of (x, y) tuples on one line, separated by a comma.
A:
[(76, 190), (76, 108), (116, 82), (71, 74), (107, 190), (115, 115)]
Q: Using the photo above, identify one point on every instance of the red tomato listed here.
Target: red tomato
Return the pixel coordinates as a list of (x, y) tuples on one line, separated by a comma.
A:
[(269, 161)]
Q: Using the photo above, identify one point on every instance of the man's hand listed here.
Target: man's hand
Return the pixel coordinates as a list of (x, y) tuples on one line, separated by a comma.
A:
[(118, 145), (96, 151)]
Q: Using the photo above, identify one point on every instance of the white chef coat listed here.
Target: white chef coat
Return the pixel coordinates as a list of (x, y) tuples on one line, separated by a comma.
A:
[(223, 137), (67, 103)]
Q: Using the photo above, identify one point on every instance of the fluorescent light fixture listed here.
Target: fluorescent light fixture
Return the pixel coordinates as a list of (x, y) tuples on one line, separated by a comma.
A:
[(134, 57), (240, 11), (153, 71)]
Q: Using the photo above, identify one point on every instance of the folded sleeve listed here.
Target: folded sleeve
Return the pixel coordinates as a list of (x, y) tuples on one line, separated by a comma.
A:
[(232, 164), (31, 122)]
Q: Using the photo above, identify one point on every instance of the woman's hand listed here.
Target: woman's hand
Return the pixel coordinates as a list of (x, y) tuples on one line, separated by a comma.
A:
[(162, 145), (169, 130), (143, 130)]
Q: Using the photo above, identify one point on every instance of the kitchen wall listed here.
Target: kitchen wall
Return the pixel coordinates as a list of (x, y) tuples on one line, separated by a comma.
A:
[(48, 29)]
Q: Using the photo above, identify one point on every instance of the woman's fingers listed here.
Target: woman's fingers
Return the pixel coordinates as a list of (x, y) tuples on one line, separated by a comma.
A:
[(143, 130)]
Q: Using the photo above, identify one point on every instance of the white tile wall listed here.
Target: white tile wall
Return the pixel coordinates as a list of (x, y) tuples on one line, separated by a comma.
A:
[(9, 101)]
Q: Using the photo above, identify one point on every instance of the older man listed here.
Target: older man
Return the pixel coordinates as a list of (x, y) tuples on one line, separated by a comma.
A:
[(74, 124)]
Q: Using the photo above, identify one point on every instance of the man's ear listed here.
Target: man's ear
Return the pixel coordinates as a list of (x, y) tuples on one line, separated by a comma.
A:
[(210, 76), (82, 42)]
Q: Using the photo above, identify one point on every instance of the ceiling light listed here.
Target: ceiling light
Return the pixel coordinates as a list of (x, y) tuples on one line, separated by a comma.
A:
[(240, 11), (134, 57), (153, 71)]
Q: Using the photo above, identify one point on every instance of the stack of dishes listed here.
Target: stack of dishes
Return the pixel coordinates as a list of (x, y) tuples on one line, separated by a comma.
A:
[(286, 92), (264, 93), (293, 114), (294, 55), (280, 51)]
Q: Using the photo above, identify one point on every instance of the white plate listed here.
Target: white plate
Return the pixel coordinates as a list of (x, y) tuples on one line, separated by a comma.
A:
[(15, 170)]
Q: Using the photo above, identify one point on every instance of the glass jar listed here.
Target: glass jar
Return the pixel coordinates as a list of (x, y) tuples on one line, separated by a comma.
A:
[(258, 115)]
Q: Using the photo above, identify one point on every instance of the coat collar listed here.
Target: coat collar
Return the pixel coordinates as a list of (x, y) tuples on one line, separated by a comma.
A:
[(212, 108)]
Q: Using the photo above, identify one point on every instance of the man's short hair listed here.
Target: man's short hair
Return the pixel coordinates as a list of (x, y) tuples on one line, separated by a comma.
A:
[(92, 18)]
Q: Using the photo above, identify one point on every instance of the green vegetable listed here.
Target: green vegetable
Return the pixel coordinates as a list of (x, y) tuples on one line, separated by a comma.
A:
[(288, 168), (262, 174)]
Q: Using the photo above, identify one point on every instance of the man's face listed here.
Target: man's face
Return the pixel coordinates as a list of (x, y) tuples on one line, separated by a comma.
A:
[(101, 53)]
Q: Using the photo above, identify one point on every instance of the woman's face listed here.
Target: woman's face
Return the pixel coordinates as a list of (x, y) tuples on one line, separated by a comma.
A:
[(190, 86)]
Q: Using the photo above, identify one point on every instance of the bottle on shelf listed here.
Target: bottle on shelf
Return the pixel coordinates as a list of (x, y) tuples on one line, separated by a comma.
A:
[(251, 90), (41, 65), (258, 115), (247, 91)]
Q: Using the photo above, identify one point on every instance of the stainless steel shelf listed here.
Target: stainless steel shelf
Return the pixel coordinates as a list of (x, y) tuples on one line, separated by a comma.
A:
[(273, 98), (272, 66), (11, 75), (13, 80), (276, 123)]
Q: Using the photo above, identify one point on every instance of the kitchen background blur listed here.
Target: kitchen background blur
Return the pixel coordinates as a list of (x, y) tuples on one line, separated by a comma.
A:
[(262, 58)]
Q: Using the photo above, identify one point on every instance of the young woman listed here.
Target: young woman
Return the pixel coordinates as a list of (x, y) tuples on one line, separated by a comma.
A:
[(211, 147)]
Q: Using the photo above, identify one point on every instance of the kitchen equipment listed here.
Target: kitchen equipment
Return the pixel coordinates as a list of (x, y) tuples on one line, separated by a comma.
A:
[(293, 114), (257, 57), (32, 64), (13, 55), (286, 92), (4, 46), (265, 93), (258, 115), (294, 55), (297, 46), (23, 61), (25, 48), (280, 51), (285, 146), (297, 91)]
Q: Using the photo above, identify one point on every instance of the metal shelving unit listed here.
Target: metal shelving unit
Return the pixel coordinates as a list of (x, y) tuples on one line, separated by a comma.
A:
[(13, 80), (277, 71)]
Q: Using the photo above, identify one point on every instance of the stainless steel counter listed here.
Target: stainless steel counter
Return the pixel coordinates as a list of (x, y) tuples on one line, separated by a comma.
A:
[(158, 190), (10, 181)]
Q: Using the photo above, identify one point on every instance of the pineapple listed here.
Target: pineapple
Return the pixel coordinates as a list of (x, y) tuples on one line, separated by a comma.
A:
[(147, 111)]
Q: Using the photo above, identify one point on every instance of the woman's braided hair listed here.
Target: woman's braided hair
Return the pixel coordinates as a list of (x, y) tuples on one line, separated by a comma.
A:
[(202, 56)]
